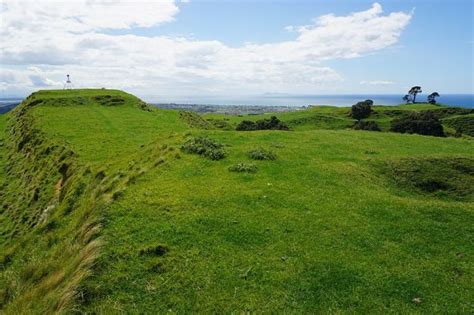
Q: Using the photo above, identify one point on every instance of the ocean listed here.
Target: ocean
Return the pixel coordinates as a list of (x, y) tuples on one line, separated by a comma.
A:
[(462, 100)]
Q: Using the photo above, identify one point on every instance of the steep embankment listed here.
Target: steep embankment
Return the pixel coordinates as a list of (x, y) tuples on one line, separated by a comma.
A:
[(51, 211)]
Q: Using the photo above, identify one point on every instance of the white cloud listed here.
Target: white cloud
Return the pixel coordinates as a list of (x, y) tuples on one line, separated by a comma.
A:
[(377, 82), (39, 79), (74, 37)]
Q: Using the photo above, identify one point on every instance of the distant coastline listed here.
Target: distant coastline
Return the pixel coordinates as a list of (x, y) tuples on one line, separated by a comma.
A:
[(280, 103), (461, 100)]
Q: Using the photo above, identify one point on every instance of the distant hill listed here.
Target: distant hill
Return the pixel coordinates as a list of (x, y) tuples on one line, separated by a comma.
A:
[(111, 205)]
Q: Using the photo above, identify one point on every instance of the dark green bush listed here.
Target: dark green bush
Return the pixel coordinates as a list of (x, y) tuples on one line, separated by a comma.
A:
[(205, 147), (423, 123), (246, 125), (243, 168), (264, 124), (261, 154), (361, 110), (366, 125)]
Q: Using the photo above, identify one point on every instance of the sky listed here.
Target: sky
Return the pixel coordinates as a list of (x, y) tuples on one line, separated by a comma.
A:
[(195, 49)]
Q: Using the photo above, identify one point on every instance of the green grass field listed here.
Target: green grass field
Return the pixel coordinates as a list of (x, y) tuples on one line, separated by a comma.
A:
[(324, 228)]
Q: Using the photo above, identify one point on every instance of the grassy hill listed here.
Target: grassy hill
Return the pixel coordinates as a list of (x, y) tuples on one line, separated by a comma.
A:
[(102, 212)]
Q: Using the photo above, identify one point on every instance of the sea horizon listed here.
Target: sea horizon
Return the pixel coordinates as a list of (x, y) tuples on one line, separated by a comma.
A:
[(461, 100), (342, 100)]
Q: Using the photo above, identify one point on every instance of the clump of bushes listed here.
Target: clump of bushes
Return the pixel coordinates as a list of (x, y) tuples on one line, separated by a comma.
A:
[(366, 125), (264, 124), (205, 147), (362, 110), (261, 154), (243, 168), (423, 123)]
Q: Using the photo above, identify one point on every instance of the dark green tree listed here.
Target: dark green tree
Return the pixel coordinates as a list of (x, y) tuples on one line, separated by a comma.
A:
[(361, 110), (414, 91), (432, 97)]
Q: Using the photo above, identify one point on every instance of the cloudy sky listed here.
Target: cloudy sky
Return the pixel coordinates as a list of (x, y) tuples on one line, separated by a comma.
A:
[(175, 49)]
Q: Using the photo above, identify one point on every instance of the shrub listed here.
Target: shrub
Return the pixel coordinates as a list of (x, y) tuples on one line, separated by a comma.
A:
[(246, 125), (366, 125), (423, 123), (361, 110), (205, 147), (264, 124), (243, 168), (261, 154)]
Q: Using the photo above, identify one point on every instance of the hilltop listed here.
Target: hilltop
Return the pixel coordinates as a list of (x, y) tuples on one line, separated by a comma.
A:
[(110, 205)]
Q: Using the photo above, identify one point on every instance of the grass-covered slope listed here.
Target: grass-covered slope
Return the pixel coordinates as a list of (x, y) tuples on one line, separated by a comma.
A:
[(341, 220), (337, 118)]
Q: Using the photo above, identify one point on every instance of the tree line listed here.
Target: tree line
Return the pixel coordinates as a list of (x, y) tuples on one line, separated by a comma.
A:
[(414, 91)]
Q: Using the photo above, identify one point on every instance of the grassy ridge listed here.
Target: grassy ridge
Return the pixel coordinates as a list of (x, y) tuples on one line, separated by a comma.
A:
[(52, 205), (319, 229), (337, 118)]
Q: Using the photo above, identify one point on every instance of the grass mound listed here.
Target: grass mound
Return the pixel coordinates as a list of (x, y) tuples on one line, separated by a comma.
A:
[(319, 121), (462, 124), (441, 177), (262, 154), (194, 120), (205, 147), (243, 168), (51, 210)]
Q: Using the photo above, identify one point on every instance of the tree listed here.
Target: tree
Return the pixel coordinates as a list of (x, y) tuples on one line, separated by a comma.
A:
[(361, 109), (414, 91), (407, 98), (432, 97)]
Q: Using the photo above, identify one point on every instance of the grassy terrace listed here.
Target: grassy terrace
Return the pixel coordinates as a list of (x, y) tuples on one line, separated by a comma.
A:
[(323, 228)]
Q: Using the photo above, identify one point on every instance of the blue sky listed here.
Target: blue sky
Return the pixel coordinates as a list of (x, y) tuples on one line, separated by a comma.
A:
[(184, 49)]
